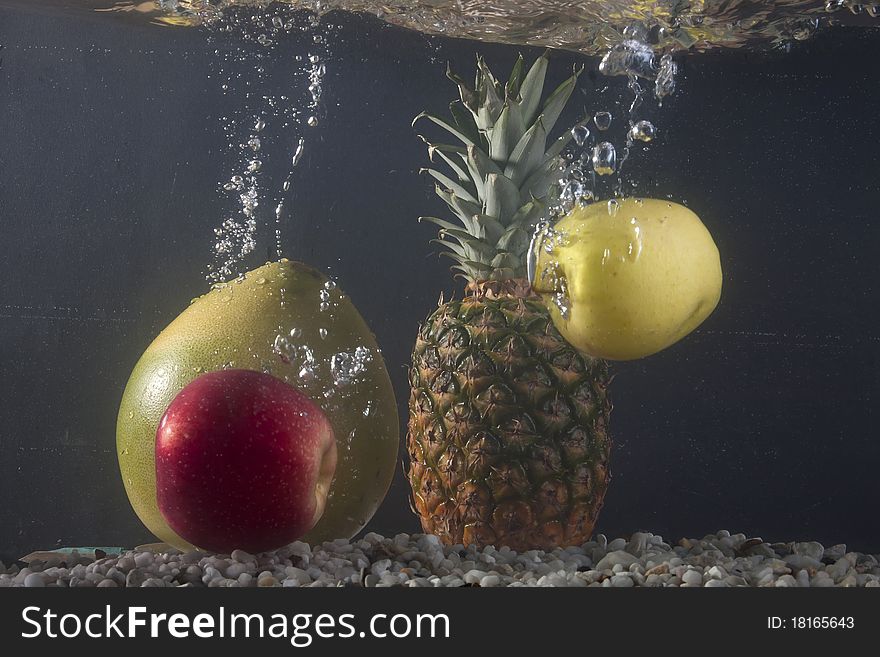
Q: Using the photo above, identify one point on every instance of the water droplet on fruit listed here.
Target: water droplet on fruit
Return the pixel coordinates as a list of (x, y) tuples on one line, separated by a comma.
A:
[(613, 207), (347, 367)]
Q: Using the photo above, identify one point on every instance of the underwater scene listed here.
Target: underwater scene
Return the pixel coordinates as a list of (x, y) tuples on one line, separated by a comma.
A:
[(439, 293)]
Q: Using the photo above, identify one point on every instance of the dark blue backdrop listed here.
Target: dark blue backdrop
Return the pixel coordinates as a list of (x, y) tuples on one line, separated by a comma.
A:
[(110, 152)]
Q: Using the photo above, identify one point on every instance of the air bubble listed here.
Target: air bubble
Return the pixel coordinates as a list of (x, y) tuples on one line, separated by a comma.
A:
[(665, 83), (313, 121), (323, 333), (643, 131), (297, 154), (604, 158), (602, 120), (259, 125), (580, 133)]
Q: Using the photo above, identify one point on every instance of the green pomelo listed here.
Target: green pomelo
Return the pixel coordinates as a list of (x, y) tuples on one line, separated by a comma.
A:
[(327, 351)]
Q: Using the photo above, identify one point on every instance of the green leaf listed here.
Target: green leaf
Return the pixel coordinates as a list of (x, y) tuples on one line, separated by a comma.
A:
[(460, 171), (439, 222), (490, 228), (557, 100), (462, 209), (491, 104), (515, 80), (514, 240), (464, 238), (531, 89), (506, 134), (480, 165), (467, 141), (528, 215), (457, 251), (468, 96), (554, 151), (450, 184), (465, 122), (528, 154), (502, 197), (504, 259), (541, 181)]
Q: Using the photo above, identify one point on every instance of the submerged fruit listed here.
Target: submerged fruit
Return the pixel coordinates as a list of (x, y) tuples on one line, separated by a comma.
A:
[(626, 279), (286, 319), (508, 428), (243, 461)]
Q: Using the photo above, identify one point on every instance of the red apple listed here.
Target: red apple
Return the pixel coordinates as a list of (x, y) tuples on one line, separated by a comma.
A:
[(243, 460)]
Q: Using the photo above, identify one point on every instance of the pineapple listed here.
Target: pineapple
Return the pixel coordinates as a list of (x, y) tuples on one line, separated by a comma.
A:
[(508, 424)]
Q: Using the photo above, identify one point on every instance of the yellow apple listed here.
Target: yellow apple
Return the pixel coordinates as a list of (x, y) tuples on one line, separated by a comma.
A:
[(625, 279)]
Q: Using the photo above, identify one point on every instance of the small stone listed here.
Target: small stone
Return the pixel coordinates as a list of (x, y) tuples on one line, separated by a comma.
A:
[(637, 543), (125, 564), (35, 580), (692, 578), (810, 549), (716, 572), (622, 581), (801, 561), (267, 582), (143, 559), (235, 570), (849, 581), (107, 584), (616, 544), (380, 567), (615, 557), (786, 581), (834, 552), (839, 569), (716, 583), (243, 557), (490, 580)]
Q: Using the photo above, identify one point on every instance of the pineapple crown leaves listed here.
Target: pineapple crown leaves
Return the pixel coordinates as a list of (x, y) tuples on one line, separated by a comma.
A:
[(502, 171)]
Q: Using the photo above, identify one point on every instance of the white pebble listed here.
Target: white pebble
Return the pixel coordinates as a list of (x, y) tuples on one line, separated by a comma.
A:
[(692, 578), (35, 580)]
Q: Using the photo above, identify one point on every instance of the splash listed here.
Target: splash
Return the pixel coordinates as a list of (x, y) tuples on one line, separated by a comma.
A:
[(589, 26)]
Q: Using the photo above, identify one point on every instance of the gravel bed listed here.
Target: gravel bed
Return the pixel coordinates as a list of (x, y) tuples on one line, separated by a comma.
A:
[(716, 560)]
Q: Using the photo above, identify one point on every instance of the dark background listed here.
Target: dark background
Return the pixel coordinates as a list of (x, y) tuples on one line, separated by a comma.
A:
[(111, 147)]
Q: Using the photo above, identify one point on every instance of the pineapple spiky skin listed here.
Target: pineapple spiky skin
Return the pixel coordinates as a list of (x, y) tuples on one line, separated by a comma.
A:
[(508, 423), (508, 439)]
